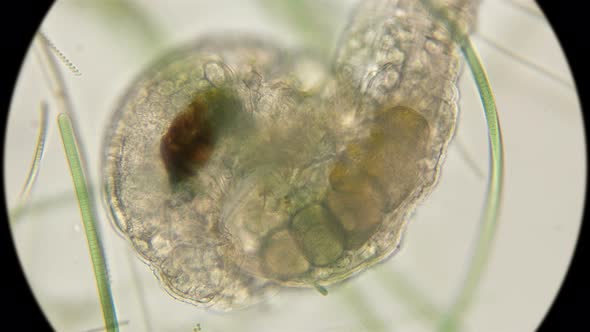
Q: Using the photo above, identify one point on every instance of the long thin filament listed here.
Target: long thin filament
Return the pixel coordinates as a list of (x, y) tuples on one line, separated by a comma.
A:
[(35, 164), (94, 244), (489, 222)]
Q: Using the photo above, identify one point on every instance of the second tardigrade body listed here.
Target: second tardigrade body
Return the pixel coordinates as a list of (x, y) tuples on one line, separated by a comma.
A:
[(233, 167)]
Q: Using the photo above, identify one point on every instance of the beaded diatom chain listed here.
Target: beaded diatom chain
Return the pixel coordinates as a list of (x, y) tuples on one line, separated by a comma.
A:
[(235, 167)]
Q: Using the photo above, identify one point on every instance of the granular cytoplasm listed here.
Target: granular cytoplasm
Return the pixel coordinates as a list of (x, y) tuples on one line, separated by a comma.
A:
[(232, 173)]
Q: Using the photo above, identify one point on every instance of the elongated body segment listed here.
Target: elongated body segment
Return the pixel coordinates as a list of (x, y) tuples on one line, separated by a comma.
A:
[(232, 174)]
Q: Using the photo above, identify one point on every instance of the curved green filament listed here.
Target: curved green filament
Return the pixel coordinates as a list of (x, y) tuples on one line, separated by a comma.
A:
[(489, 222), (35, 164), (94, 244)]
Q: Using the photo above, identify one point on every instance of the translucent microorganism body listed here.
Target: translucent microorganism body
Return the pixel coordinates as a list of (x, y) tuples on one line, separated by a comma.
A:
[(234, 166)]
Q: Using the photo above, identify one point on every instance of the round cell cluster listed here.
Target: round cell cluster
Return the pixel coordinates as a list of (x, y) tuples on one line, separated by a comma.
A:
[(234, 167)]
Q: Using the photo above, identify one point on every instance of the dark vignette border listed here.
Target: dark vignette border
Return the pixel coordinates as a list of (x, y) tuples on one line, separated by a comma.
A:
[(569, 21), (19, 22), (21, 19)]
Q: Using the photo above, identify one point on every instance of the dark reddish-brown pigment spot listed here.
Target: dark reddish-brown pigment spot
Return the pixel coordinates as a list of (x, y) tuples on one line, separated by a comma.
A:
[(188, 142), (190, 139)]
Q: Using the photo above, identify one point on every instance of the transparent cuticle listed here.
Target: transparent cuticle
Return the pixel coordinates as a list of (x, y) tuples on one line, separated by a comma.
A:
[(344, 192)]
